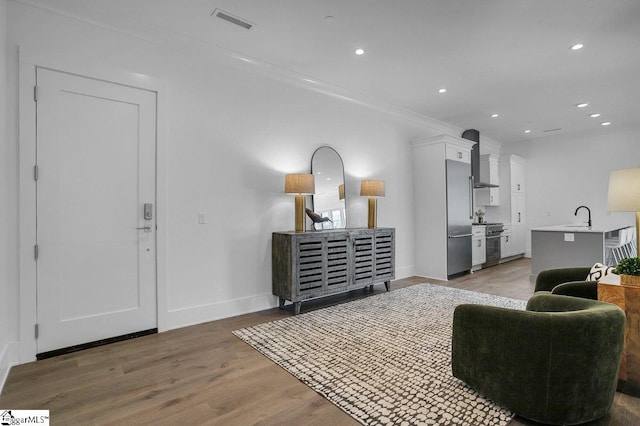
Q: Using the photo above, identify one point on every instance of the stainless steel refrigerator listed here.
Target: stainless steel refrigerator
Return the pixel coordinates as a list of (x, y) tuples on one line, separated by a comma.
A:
[(459, 217)]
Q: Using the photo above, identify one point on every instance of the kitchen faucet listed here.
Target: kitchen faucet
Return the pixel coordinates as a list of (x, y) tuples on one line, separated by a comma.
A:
[(588, 209)]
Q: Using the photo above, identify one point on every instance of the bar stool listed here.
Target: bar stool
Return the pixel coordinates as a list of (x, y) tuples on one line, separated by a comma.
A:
[(619, 248), (632, 246)]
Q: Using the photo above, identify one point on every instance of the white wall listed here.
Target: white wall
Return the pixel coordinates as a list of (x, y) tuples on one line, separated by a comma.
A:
[(7, 194), (231, 130), (564, 172)]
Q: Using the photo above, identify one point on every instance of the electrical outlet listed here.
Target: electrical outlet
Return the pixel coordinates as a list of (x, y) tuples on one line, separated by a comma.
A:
[(202, 218), (569, 237)]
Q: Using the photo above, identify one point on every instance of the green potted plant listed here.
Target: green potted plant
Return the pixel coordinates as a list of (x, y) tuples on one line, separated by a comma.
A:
[(629, 271)]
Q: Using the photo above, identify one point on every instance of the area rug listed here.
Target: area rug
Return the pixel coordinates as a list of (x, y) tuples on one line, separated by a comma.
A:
[(384, 359)]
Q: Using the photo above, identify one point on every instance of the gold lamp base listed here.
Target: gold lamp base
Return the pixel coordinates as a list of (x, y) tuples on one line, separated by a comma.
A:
[(372, 212), (300, 213)]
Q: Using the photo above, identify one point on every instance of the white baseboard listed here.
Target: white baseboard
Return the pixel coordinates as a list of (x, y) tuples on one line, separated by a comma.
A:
[(8, 358), (405, 272), (198, 314)]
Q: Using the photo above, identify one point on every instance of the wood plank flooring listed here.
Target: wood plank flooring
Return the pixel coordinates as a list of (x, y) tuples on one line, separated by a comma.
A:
[(205, 375)]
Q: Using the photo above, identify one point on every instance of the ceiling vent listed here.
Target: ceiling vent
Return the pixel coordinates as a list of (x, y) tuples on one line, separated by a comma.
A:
[(233, 19)]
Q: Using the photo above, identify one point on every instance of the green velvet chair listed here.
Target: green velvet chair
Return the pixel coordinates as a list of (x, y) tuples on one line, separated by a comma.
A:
[(556, 362), (567, 282)]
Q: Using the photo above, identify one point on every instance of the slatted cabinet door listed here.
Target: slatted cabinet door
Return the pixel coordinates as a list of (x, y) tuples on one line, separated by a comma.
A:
[(384, 256), (363, 265), (374, 254), (322, 265), (310, 268), (337, 270)]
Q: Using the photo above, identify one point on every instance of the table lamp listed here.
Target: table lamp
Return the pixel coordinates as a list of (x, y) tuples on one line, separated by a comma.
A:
[(624, 194), (372, 189), (300, 185)]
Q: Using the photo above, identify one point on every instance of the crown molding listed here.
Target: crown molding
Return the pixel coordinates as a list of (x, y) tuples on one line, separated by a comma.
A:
[(164, 38)]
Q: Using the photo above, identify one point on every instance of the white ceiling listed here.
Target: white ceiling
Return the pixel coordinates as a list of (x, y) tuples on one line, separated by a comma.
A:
[(510, 57)]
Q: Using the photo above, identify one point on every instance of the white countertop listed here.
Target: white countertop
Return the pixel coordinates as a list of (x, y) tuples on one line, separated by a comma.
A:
[(577, 228)]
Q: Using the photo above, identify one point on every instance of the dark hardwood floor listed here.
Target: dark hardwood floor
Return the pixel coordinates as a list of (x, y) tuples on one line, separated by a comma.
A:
[(205, 375)]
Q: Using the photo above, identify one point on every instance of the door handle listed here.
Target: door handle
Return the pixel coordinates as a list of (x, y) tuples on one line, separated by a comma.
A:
[(471, 197), (146, 228)]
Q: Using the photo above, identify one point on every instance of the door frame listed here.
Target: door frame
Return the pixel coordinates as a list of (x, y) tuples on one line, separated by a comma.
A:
[(30, 58)]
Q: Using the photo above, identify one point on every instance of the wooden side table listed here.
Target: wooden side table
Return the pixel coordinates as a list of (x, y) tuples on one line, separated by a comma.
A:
[(628, 299)]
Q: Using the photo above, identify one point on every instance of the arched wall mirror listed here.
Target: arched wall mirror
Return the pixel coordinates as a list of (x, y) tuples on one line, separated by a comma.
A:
[(329, 199)]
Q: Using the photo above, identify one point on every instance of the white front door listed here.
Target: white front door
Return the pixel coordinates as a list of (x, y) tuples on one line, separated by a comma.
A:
[(96, 267)]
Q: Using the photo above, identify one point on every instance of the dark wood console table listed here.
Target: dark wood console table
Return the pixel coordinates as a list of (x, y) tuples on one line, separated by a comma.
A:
[(307, 265)]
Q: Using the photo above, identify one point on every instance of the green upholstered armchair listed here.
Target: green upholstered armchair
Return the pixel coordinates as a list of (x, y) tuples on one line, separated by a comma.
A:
[(556, 362), (567, 282)]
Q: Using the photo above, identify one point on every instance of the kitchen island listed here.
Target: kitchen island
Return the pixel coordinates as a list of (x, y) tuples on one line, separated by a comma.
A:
[(564, 246)]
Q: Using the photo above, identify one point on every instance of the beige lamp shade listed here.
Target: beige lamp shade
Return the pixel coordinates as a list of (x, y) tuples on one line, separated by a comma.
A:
[(624, 195), (299, 184), (372, 188), (624, 191)]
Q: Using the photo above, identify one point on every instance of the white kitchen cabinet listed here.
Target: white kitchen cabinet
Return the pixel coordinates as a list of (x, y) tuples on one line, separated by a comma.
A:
[(517, 174), (478, 246), (517, 209), (489, 173), (513, 206), (430, 200), (518, 201), (506, 240), (457, 153)]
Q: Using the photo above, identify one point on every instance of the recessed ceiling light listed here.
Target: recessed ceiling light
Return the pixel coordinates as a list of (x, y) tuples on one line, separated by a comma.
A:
[(594, 115), (495, 115), (577, 46), (443, 90), (527, 131), (582, 105), (606, 123), (359, 52)]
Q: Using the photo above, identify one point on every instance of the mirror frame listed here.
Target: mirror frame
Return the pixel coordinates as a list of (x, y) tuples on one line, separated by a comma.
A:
[(313, 200)]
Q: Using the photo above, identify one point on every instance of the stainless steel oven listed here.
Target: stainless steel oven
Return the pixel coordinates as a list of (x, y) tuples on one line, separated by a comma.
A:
[(494, 231)]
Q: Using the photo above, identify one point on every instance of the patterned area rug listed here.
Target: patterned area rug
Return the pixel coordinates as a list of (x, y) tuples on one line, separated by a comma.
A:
[(384, 359)]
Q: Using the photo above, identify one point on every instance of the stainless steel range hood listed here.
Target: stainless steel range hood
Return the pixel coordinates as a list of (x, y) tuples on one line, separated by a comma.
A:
[(474, 135)]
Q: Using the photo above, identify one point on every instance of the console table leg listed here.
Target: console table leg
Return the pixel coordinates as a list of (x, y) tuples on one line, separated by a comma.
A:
[(296, 307), (281, 302), (387, 285)]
